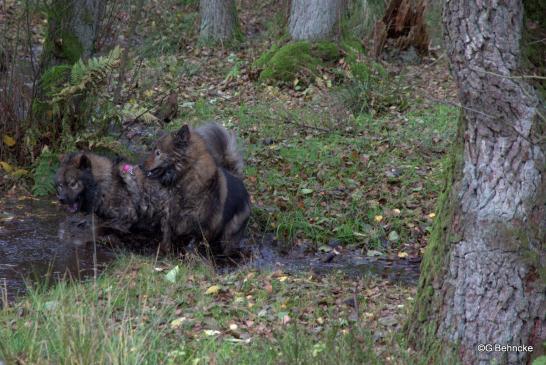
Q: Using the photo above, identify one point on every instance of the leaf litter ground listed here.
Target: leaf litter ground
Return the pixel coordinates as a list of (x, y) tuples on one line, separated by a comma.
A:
[(321, 179)]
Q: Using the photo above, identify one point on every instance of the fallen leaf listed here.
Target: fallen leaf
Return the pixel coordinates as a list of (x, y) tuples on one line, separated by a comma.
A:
[(394, 236), (306, 191), (388, 321), (372, 253), (402, 254), (172, 274), (238, 340), (19, 173), (325, 248), (211, 332), (51, 305), (6, 166), (213, 290), (378, 218), (176, 323), (8, 141)]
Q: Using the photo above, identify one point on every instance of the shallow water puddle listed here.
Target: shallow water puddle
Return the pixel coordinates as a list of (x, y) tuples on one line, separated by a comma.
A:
[(38, 240)]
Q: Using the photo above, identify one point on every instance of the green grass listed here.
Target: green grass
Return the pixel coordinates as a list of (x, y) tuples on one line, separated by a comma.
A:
[(321, 186), (133, 315)]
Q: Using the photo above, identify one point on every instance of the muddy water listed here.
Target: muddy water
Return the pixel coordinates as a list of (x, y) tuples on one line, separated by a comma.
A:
[(39, 242), (350, 262)]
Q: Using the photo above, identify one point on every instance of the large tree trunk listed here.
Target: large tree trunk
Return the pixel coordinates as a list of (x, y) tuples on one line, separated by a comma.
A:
[(218, 20), (484, 273), (73, 28), (314, 20)]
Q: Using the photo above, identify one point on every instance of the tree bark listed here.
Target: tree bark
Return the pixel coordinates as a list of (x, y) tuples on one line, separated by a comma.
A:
[(73, 29), (218, 20), (314, 20), (483, 276)]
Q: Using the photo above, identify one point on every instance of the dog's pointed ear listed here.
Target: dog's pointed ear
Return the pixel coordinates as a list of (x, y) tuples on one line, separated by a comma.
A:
[(85, 163), (182, 137)]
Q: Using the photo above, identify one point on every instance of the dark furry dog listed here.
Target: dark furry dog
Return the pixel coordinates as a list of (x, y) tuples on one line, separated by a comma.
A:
[(207, 201), (88, 183), (119, 194)]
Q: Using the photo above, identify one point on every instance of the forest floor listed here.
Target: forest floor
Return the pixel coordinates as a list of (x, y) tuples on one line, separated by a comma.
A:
[(320, 175)]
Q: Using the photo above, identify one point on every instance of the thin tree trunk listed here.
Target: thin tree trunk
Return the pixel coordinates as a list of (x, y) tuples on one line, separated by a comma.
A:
[(135, 20), (484, 273), (315, 20), (218, 20), (73, 28)]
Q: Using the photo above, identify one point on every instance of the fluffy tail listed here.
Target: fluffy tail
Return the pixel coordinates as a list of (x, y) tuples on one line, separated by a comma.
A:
[(223, 147)]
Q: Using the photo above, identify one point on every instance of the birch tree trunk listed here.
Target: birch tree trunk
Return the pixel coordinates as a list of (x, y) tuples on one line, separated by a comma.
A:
[(72, 30), (218, 20), (314, 20), (484, 273)]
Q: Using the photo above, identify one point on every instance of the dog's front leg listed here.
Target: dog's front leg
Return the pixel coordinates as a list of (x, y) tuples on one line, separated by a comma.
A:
[(165, 246)]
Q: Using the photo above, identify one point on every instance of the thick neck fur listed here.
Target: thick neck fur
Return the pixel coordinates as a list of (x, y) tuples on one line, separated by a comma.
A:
[(196, 168), (99, 182)]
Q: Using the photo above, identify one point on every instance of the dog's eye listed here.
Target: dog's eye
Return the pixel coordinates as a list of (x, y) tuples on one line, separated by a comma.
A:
[(73, 184), (157, 153)]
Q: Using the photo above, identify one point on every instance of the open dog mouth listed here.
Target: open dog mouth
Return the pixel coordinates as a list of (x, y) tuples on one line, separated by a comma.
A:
[(71, 207), (155, 173), (74, 207)]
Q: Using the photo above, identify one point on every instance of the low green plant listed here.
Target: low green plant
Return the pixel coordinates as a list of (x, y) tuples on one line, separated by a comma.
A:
[(45, 166), (284, 64), (161, 41), (73, 95), (370, 89)]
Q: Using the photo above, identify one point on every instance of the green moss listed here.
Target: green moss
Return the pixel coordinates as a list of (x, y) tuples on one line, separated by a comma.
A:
[(283, 63), (326, 51), (352, 45), (65, 47), (422, 333), (266, 56), (71, 48), (61, 43)]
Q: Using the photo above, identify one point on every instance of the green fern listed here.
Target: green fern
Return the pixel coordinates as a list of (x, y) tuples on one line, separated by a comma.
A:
[(87, 77), (44, 172), (132, 111), (54, 78), (97, 142)]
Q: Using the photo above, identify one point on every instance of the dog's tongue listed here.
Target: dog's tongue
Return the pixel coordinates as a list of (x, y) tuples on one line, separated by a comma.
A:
[(73, 208), (127, 169)]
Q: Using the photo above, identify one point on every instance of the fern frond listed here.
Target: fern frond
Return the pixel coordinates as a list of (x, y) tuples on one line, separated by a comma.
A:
[(86, 77), (46, 165), (133, 111)]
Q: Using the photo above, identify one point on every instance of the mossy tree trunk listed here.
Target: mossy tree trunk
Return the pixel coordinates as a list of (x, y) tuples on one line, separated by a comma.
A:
[(73, 28), (218, 20), (483, 276), (315, 20)]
